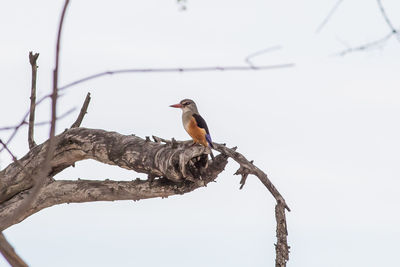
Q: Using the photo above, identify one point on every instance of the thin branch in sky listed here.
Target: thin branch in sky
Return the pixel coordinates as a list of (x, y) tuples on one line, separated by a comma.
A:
[(328, 17), (9, 128), (172, 70), (369, 45), (260, 52), (385, 16), (146, 70), (42, 175), (366, 46), (23, 122), (379, 42), (14, 158)]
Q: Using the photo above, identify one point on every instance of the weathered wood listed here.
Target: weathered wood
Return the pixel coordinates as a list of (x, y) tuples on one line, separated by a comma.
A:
[(281, 247), (183, 167)]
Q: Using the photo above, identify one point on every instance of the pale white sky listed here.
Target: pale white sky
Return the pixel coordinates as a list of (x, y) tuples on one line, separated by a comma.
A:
[(326, 131)]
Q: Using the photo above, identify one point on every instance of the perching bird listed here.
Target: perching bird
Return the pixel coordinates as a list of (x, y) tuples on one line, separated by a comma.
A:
[(194, 124)]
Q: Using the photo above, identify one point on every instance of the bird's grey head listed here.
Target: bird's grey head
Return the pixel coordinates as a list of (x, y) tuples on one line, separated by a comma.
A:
[(187, 105)]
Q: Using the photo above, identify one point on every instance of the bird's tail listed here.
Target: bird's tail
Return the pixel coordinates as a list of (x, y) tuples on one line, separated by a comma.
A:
[(209, 141), (210, 144)]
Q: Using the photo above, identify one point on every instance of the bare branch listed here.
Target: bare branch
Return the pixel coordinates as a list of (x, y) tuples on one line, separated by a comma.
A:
[(14, 158), (175, 167), (8, 128), (83, 112), (168, 70), (328, 17), (65, 114), (260, 52), (42, 174), (33, 61), (182, 163), (9, 253), (367, 46), (64, 191), (388, 22), (246, 168), (281, 247), (244, 172), (378, 42), (251, 169), (23, 122)]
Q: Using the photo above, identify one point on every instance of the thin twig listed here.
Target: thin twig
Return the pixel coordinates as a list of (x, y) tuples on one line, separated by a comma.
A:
[(40, 177), (8, 128), (83, 112), (9, 253), (388, 22), (377, 42), (169, 70), (366, 46), (251, 169), (33, 61), (23, 122), (260, 52), (328, 17), (14, 158), (65, 114)]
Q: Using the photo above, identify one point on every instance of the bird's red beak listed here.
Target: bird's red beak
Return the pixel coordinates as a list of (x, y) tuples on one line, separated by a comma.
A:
[(176, 106)]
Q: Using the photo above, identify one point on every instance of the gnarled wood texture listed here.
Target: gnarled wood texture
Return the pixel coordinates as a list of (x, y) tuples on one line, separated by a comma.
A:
[(180, 167)]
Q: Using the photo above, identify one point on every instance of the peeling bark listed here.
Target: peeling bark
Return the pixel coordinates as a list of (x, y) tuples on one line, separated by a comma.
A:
[(172, 167), (126, 151), (183, 168)]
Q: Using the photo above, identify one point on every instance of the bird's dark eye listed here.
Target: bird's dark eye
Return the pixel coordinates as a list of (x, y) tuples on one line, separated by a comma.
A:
[(187, 103)]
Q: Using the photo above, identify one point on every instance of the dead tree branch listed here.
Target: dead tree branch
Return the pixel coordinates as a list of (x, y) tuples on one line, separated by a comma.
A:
[(177, 164), (251, 169), (40, 177), (33, 61), (27, 185), (9, 253), (18, 126), (281, 247), (247, 167), (14, 158), (83, 112), (178, 168)]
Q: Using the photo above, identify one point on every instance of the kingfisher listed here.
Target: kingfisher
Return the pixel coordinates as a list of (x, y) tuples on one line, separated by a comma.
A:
[(194, 124)]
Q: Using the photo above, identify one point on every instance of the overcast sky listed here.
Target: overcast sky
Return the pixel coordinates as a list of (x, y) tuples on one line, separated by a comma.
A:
[(325, 131)]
